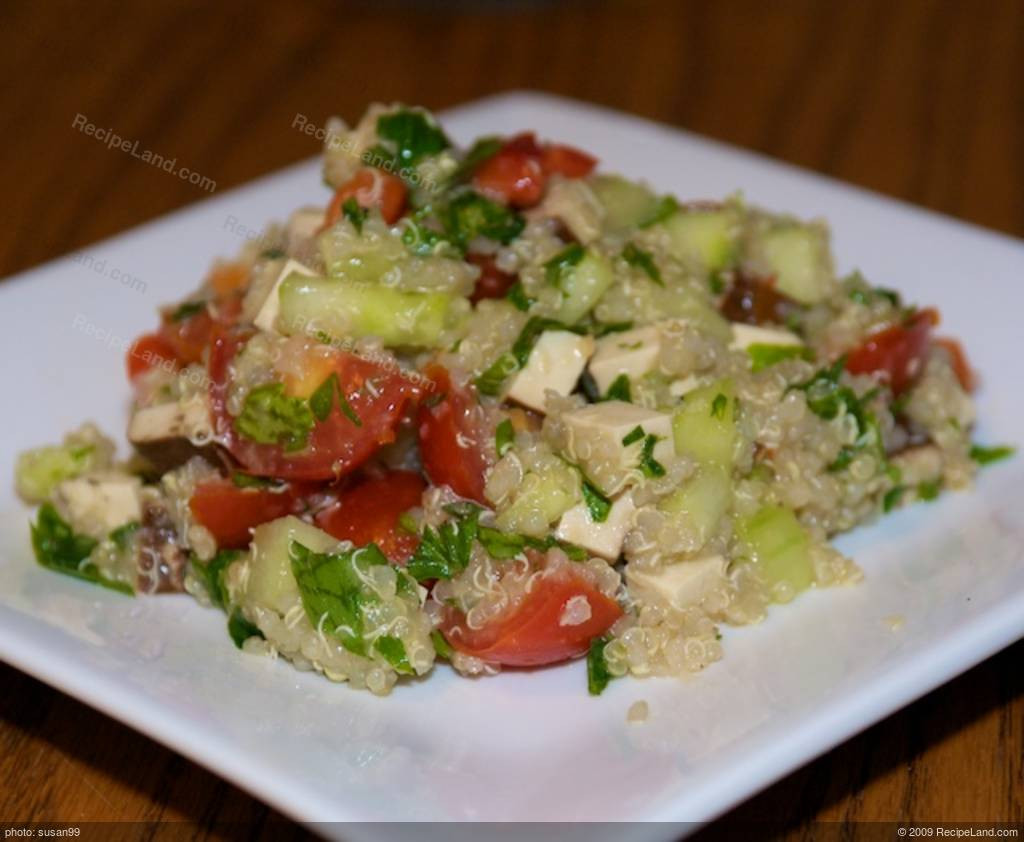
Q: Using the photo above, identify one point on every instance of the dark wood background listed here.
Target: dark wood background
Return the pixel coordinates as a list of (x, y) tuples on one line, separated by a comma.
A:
[(919, 99)]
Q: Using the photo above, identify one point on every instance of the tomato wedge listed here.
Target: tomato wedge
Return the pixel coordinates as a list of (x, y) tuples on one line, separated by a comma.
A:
[(376, 394), (536, 633), (896, 353), (512, 176), (492, 283), (566, 161), (958, 359), (369, 513), (371, 188), (450, 438), (230, 512), (149, 351)]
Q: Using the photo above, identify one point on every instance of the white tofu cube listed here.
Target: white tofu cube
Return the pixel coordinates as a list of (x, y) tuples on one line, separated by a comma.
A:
[(186, 419), (743, 336), (556, 363), (574, 203), (606, 424), (632, 352), (681, 585), (602, 539), (267, 316), (96, 504)]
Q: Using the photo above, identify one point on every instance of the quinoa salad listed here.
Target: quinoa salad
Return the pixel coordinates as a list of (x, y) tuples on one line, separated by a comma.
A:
[(498, 408)]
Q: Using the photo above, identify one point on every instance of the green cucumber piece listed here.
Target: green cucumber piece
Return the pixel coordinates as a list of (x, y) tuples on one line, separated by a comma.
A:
[(343, 309), (582, 286), (626, 203), (703, 499), (798, 256), (710, 236), (271, 583), (779, 547), (704, 427)]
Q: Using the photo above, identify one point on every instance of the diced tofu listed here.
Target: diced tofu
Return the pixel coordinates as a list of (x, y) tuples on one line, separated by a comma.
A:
[(556, 363), (681, 585), (743, 336), (574, 203), (185, 419), (303, 225), (96, 504), (267, 315), (602, 539), (606, 424), (678, 388), (633, 353)]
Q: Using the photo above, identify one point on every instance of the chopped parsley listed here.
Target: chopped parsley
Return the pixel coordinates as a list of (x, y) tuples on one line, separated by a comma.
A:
[(598, 674), (481, 150), (59, 548), (663, 209), (633, 436), (892, 498), (321, 402), (470, 215), (272, 254), (354, 213), (413, 136), (489, 383), (123, 535), (644, 260), (929, 490), (241, 480), (649, 466), (187, 310), (393, 650), (442, 648), (598, 505), (504, 437), (763, 355), (240, 629), (445, 552), (559, 266), (619, 390), (211, 574), (988, 455), (518, 297), (500, 545), (269, 416), (612, 327), (719, 406)]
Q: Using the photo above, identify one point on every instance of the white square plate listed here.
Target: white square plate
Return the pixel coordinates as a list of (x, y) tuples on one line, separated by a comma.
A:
[(528, 745)]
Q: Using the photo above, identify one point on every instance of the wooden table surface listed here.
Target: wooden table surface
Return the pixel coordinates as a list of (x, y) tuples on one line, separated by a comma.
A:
[(919, 100)]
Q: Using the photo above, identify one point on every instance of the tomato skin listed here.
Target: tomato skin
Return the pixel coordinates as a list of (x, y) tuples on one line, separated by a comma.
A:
[(492, 283), (337, 445), (149, 351), (369, 513), (533, 636), (442, 424), (961, 368), (566, 161), (371, 188), (512, 176), (896, 353), (230, 512)]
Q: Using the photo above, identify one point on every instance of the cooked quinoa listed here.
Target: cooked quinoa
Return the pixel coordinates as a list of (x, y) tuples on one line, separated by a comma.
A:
[(496, 407)]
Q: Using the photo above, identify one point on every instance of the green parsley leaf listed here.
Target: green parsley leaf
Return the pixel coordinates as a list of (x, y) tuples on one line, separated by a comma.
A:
[(269, 416), (59, 548), (211, 574), (843, 460), (442, 647), (241, 629), (187, 310), (414, 135), (558, 266), (354, 213), (598, 505), (489, 383), (520, 300), (504, 437), (241, 480), (393, 651), (665, 207), (716, 283), (619, 390), (334, 593), (500, 545), (719, 405), (892, 498), (988, 455), (928, 491), (598, 675), (445, 551), (633, 436), (272, 254), (649, 466), (612, 327), (470, 215), (763, 355), (644, 260), (321, 402), (123, 535)]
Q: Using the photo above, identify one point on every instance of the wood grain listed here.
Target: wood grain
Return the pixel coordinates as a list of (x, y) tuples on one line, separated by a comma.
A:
[(919, 99)]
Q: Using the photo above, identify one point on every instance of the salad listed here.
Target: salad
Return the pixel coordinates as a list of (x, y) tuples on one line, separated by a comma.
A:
[(495, 407)]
